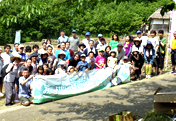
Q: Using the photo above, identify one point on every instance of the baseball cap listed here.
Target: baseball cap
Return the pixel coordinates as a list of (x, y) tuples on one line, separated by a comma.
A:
[(83, 55), (100, 35), (74, 31), (87, 33), (119, 45), (125, 58), (138, 32), (21, 46), (102, 38)]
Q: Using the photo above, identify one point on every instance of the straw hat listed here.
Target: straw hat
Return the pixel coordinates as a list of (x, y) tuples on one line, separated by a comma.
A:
[(61, 53), (16, 56), (44, 52)]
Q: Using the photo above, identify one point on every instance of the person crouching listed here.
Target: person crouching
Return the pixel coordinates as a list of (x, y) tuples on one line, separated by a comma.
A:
[(24, 88)]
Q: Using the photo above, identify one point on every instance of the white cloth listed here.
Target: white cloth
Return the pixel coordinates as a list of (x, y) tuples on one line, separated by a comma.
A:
[(86, 42), (90, 61), (101, 46), (149, 53), (93, 50), (155, 42), (61, 71), (140, 49), (10, 77), (6, 58), (112, 62), (41, 50)]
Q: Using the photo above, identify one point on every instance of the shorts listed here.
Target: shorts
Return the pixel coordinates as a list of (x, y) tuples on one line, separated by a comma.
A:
[(155, 62), (173, 59), (24, 99), (1, 80)]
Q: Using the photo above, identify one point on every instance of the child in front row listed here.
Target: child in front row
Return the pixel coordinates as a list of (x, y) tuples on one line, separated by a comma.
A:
[(149, 55), (82, 65), (100, 60), (61, 69)]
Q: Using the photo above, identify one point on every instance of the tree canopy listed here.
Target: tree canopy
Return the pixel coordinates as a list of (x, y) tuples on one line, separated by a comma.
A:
[(45, 18)]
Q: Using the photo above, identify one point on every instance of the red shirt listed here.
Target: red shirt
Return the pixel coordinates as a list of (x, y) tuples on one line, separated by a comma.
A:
[(71, 53)]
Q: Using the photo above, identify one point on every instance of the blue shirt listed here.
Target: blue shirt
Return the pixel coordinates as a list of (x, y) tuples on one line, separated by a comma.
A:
[(83, 67), (24, 90), (23, 56), (62, 39), (67, 53)]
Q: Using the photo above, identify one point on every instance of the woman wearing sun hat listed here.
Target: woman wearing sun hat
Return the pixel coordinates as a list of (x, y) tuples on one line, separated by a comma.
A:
[(9, 84), (61, 57), (44, 58)]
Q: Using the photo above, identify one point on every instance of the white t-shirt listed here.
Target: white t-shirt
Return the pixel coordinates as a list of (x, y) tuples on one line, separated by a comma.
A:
[(61, 71), (6, 58), (101, 46), (112, 62), (90, 61), (86, 42), (155, 42)]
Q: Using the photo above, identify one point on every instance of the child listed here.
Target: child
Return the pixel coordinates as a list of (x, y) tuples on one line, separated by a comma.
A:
[(102, 44), (70, 69), (100, 60), (61, 69), (162, 47), (61, 57), (24, 88), (9, 84), (45, 67), (82, 65), (173, 54), (137, 60), (114, 42), (40, 70), (49, 72), (90, 60), (155, 42), (81, 49), (112, 60), (149, 55), (128, 45)]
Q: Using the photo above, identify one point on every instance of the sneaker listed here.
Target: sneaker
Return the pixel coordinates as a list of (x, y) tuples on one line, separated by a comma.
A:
[(8, 104), (149, 76), (1, 95), (171, 72), (146, 76)]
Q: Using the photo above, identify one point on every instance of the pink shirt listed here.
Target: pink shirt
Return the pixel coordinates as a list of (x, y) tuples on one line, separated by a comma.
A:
[(101, 61)]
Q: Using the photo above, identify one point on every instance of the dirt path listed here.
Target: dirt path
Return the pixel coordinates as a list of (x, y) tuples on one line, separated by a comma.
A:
[(135, 96)]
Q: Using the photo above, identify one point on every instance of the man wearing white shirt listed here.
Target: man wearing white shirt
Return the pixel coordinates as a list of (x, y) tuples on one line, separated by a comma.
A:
[(6, 55), (62, 38), (102, 44), (16, 49), (86, 41), (143, 38)]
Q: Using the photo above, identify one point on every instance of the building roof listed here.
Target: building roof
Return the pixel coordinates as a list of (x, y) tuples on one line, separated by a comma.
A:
[(157, 15)]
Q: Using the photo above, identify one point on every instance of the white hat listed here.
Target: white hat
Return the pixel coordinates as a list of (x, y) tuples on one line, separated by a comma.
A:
[(70, 68), (43, 52), (58, 45), (21, 46), (113, 52), (83, 55), (62, 63), (100, 35), (16, 56)]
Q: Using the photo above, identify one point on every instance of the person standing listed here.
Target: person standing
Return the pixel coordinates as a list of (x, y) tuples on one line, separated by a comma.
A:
[(35, 50), (102, 44), (81, 49), (114, 42), (48, 43), (74, 41), (6, 55), (91, 48), (155, 42), (51, 57), (86, 41), (162, 48), (16, 48), (63, 37), (98, 42), (67, 47), (20, 52), (173, 54), (143, 38), (43, 48), (34, 63), (1, 78)]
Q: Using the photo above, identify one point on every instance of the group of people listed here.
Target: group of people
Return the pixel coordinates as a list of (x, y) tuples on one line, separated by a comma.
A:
[(19, 67)]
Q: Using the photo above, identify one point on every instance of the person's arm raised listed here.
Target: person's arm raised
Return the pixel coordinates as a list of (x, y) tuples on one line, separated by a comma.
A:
[(24, 82)]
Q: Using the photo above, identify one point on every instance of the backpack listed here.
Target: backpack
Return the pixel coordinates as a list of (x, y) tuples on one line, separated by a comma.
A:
[(3, 70)]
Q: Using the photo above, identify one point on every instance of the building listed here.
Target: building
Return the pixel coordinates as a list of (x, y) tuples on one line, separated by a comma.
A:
[(158, 22)]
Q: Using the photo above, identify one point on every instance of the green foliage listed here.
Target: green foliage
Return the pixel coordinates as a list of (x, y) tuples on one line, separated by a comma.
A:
[(45, 18)]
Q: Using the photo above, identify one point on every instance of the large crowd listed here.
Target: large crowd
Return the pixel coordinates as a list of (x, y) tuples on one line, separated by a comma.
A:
[(142, 54)]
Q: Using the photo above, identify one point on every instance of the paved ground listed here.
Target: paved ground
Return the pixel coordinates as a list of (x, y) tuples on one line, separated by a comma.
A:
[(136, 97)]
